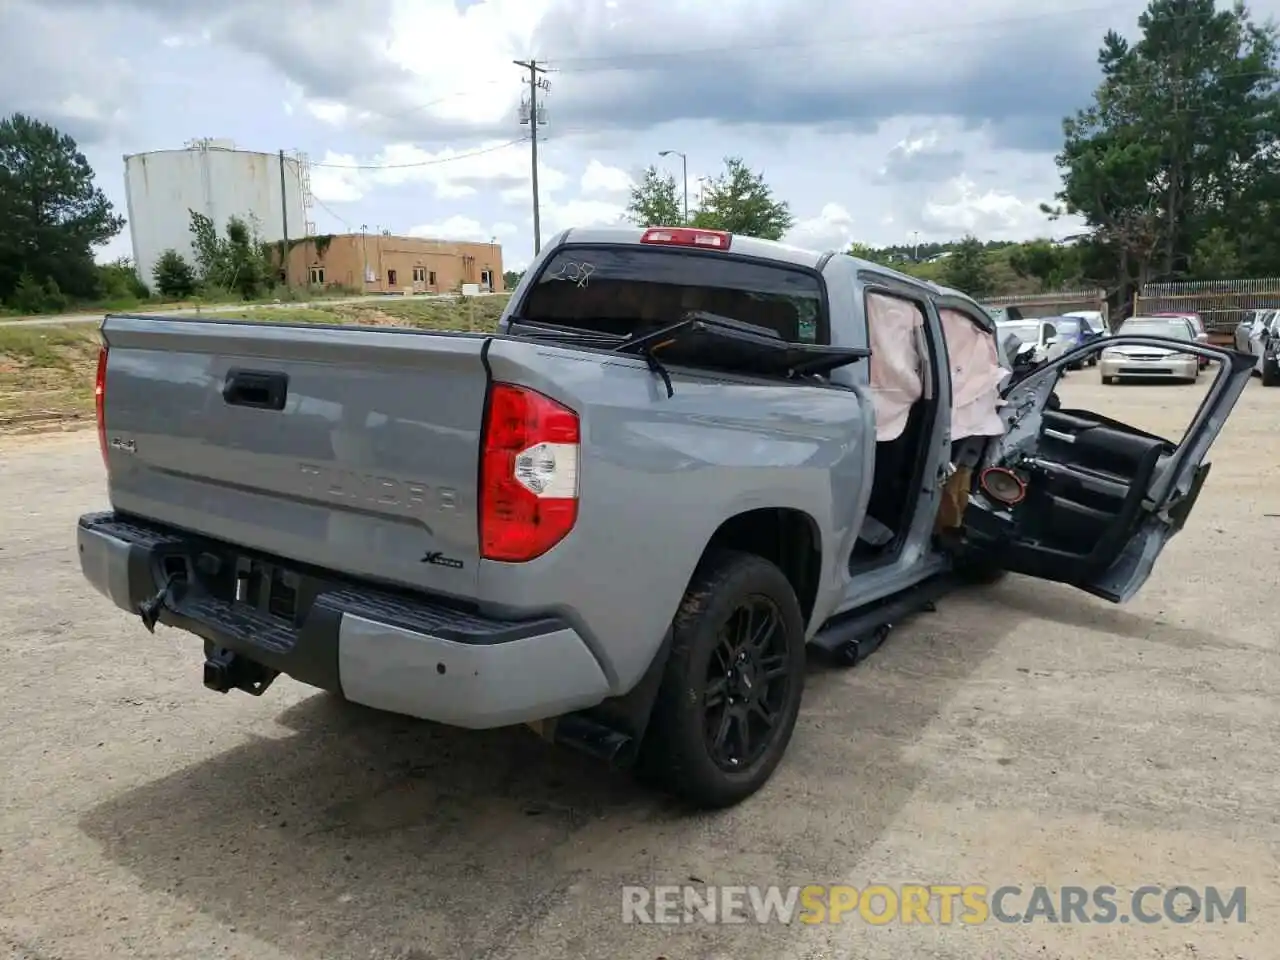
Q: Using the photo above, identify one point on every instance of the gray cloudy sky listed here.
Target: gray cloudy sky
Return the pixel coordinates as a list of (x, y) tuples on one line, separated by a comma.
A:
[(874, 120)]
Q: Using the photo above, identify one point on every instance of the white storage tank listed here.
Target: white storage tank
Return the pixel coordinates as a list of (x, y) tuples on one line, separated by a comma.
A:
[(213, 178)]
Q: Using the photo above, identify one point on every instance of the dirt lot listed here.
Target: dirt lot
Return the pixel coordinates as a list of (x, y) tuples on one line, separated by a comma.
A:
[(1021, 734)]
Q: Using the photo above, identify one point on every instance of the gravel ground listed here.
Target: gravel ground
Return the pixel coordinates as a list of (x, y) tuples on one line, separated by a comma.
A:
[(1022, 734)]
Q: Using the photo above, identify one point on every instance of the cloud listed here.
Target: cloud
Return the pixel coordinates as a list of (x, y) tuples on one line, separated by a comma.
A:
[(990, 214), (601, 180), (462, 228), (900, 119), (85, 94), (924, 157), (581, 212), (498, 168), (833, 228), (431, 71)]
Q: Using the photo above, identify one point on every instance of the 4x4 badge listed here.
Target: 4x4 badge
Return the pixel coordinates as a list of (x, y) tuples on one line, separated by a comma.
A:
[(440, 560)]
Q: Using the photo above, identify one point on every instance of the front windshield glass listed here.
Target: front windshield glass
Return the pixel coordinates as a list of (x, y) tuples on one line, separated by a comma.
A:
[(1158, 327), (1025, 332)]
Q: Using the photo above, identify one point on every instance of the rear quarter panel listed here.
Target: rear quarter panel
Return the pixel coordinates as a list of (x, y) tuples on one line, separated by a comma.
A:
[(659, 475)]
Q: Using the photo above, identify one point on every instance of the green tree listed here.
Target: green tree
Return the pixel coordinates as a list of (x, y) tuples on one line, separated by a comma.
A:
[(119, 281), (51, 214), (654, 201), (175, 278), (872, 254), (1180, 139), (1216, 256), (238, 262), (1051, 265), (511, 277), (968, 269), (740, 201)]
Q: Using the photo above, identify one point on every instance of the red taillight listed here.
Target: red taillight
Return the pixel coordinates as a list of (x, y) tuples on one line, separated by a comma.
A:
[(688, 237), (100, 400), (528, 474)]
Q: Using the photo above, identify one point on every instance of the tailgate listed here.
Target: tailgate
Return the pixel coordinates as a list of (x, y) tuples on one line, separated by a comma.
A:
[(355, 449)]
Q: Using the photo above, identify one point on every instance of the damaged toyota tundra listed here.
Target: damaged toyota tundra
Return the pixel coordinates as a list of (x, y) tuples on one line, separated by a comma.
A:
[(684, 460)]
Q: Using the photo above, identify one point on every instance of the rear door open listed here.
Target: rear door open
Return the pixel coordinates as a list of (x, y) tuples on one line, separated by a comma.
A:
[(1076, 497)]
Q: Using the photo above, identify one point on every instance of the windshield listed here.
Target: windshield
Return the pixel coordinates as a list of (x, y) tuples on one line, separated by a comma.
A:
[(1158, 327), (1067, 326), (622, 289), (1025, 332)]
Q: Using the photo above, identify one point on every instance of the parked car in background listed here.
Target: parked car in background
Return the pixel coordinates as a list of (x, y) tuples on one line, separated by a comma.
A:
[(1144, 361), (1197, 327), (1094, 318), (1258, 336), (1253, 319), (1040, 333), (1074, 332)]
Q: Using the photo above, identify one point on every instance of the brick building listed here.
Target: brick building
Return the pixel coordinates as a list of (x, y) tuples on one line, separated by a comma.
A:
[(394, 264)]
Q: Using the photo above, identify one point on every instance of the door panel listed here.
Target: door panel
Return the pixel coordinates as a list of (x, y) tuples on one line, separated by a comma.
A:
[(1085, 482), (1098, 498)]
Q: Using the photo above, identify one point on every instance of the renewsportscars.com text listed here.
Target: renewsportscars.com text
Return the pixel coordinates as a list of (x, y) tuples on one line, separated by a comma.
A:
[(881, 904)]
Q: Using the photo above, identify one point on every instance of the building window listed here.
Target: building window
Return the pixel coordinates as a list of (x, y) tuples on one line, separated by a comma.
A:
[(391, 278), (317, 276), (431, 278), (419, 274)]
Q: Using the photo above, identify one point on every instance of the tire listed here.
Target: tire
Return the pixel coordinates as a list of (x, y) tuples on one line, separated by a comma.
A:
[(678, 750), (1270, 374)]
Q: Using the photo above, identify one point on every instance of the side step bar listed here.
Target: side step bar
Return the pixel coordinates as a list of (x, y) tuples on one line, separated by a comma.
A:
[(853, 637)]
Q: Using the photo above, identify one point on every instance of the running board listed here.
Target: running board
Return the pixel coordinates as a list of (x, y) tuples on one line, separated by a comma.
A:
[(854, 636)]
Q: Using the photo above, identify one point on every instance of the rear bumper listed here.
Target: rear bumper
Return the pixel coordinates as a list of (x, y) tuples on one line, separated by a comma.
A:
[(390, 651)]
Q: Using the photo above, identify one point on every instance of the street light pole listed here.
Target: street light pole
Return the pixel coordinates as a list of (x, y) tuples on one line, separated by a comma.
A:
[(684, 170)]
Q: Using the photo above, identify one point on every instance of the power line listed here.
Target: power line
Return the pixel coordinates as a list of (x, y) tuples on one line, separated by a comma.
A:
[(536, 116), (319, 203), (420, 163)]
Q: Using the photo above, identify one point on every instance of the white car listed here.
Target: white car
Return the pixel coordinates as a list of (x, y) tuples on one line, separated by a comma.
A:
[(1094, 319), (1041, 333), (1252, 337)]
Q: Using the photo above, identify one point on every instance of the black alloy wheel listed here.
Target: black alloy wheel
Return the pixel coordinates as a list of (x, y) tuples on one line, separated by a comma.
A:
[(732, 684), (747, 684)]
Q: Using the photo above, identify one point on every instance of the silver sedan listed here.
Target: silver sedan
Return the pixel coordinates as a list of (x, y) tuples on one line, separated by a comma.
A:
[(1156, 363)]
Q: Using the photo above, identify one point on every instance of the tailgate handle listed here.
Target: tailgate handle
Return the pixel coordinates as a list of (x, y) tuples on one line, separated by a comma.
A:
[(262, 389)]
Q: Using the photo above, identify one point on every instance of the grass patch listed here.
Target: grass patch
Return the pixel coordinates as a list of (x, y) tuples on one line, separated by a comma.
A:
[(47, 371), (278, 315)]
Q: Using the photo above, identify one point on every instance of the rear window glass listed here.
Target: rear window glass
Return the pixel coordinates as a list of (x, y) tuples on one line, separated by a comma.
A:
[(621, 290)]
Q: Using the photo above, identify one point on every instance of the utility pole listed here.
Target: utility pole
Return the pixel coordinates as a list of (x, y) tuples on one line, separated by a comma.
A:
[(364, 253), (535, 117), (284, 224), (684, 168)]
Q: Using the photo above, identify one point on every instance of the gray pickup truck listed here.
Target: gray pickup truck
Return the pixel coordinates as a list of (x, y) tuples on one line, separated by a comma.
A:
[(684, 459)]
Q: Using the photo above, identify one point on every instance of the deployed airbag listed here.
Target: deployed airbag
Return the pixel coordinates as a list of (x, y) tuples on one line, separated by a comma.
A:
[(976, 375), (893, 329)]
